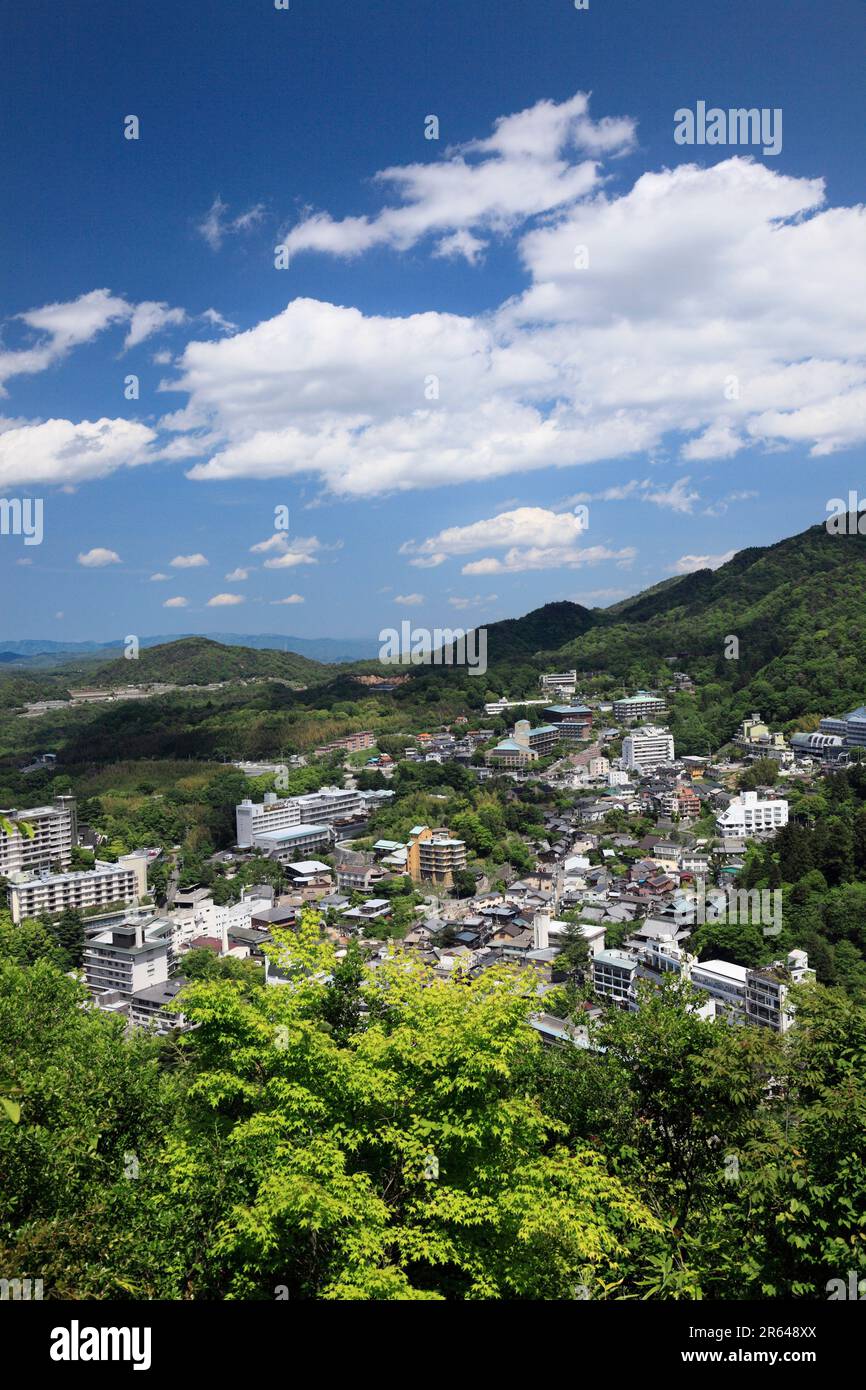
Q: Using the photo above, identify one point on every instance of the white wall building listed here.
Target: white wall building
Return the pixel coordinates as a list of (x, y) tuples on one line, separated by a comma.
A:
[(749, 815), (647, 748), (38, 838), (123, 882), (128, 957)]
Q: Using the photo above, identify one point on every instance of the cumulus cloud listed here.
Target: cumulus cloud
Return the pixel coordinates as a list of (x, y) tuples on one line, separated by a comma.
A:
[(687, 564), (287, 553), (63, 452), (528, 166), (97, 557), (177, 602), (238, 575), (158, 578), (534, 538), (188, 562), (225, 600), (292, 598), (691, 328), (409, 600)]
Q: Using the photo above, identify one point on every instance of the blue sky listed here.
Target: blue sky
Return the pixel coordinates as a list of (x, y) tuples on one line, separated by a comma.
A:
[(434, 385)]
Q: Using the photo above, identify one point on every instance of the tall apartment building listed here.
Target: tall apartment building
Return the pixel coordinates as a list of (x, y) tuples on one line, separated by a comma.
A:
[(132, 956), (768, 987), (124, 882), (647, 748), (748, 814), (434, 855), (38, 838), (614, 976), (643, 705)]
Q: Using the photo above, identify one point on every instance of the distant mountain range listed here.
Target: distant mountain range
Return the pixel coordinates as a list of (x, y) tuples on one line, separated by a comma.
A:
[(42, 653)]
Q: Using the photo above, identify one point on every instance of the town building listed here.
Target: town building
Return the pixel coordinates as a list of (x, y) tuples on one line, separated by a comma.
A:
[(130, 956), (647, 748), (42, 837), (644, 705), (614, 975), (768, 988), (31, 894), (434, 855), (294, 841), (350, 743), (749, 815)]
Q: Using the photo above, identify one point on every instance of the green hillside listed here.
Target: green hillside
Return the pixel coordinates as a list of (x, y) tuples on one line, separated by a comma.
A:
[(200, 661)]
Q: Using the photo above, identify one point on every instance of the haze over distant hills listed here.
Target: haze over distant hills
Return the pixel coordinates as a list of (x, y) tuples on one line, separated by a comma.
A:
[(44, 652)]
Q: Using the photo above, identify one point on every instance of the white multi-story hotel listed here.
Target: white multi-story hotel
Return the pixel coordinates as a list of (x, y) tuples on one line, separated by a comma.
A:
[(647, 748), (767, 990), (38, 838), (123, 882), (748, 814), (274, 813)]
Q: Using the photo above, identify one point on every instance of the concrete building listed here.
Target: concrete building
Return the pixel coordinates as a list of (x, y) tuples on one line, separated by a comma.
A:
[(768, 987), (644, 705), (42, 837), (851, 728), (434, 855), (129, 957), (750, 815), (647, 748), (294, 841), (614, 974), (327, 806), (124, 882), (350, 743), (724, 982)]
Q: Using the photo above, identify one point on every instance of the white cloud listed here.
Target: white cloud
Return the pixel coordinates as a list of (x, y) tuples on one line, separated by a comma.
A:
[(225, 600), (150, 317), (299, 550), (62, 452), (524, 168), (409, 600), (97, 557), (687, 564), (215, 226), (461, 603), (238, 575), (157, 578), (693, 324), (534, 538), (517, 559), (176, 602), (188, 562), (66, 325), (292, 598)]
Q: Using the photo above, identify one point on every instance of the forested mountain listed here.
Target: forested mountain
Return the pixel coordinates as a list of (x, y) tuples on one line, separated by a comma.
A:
[(796, 609), (200, 661)]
